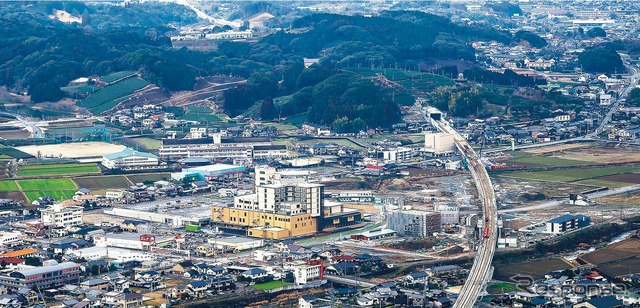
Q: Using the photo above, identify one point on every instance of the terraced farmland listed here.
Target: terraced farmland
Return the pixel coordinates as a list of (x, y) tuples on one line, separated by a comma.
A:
[(112, 95)]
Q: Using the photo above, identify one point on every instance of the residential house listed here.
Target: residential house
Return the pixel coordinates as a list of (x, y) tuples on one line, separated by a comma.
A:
[(417, 277), (182, 267), (254, 273)]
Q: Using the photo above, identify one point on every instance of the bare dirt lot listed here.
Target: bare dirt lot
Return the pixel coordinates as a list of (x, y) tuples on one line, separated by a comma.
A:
[(559, 148), (625, 199), (17, 196), (73, 150), (601, 153), (535, 269), (621, 266), (625, 178), (14, 134), (624, 249)]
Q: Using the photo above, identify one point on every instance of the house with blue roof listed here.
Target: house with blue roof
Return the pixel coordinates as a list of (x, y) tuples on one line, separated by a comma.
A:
[(255, 273), (129, 158)]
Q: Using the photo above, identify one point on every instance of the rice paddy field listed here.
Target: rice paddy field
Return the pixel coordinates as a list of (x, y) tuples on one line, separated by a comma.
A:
[(48, 184), (58, 195), (60, 189), (57, 169)]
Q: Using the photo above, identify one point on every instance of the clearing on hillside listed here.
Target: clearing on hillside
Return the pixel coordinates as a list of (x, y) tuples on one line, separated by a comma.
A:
[(108, 97)]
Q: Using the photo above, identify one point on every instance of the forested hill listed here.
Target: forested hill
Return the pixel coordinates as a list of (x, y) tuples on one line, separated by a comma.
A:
[(40, 55), (393, 37)]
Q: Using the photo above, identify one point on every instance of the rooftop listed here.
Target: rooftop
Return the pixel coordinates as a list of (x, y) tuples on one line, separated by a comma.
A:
[(128, 152), (19, 253), (47, 269)]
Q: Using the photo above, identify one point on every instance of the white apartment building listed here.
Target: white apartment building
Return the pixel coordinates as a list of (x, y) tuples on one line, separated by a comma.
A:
[(62, 216), (129, 158), (400, 154), (270, 175), (7, 238), (290, 199), (306, 273), (270, 152), (293, 198), (198, 132)]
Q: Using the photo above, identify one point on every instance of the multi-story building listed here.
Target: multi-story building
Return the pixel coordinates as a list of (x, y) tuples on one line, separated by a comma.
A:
[(279, 211), (7, 238), (399, 154), (42, 277), (62, 216), (566, 223), (414, 222), (270, 175), (268, 152), (438, 143), (449, 213), (129, 158), (311, 270), (240, 149)]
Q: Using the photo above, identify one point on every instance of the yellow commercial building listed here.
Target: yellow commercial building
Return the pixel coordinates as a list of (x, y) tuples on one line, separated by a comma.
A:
[(265, 225)]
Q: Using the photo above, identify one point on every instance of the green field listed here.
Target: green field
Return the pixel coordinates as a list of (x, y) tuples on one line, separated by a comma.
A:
[(296, 120), (271, 285), (503, 287), (81, 89), (571, 175), (57, 169), (147, 144), (152, 177), (115, 76), (15, 153), (110, 104), (59, 195), (47, 185), (548, 161), (107, 98), (8, 185), (201, 114)]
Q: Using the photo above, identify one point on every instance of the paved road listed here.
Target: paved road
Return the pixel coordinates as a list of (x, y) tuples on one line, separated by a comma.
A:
[(482, 262), (36, 132)]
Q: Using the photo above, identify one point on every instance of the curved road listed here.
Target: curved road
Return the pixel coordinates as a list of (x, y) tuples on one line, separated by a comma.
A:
[(482, 262)]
